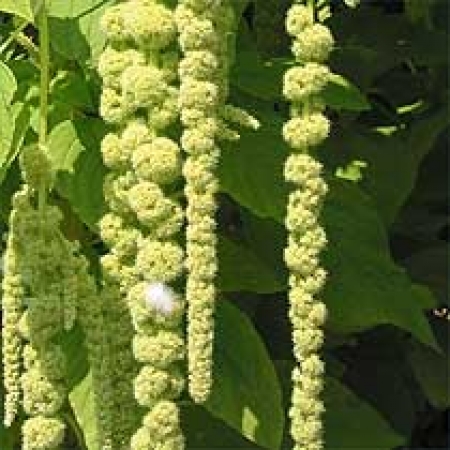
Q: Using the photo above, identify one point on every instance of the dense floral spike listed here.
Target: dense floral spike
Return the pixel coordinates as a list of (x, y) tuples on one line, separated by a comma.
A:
[(12, 308), (204, 28), (306, 129), (144, 311)]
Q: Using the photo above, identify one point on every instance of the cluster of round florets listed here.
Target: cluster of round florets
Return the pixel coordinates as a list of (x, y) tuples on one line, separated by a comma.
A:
[(137, 65), (41, 301), (141, 229), (149, 25), (42, 433), (313, 42), (307, 129), (204, 28)]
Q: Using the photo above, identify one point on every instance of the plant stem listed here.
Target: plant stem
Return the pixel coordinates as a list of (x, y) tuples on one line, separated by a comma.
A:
[(44, 50), (312, 7)]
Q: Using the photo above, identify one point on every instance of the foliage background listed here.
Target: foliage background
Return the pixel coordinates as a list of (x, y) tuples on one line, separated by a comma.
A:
[(386, 217)]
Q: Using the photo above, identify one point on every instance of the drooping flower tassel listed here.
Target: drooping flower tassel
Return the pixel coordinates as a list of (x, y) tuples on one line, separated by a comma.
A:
[(143, 225), (307, 128), (206, 29), (12, 310), (43, 379)]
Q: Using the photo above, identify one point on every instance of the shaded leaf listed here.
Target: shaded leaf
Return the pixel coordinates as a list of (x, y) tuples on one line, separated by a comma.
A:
[(74, 148), (365, 287), (236, 397), (340, 93), (241, 269), (393, 159), (431, 370), (349, 421), (201, 429), (75, 30)]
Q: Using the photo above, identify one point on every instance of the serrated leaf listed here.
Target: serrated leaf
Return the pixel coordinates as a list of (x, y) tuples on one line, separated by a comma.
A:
[(21, 8), (246, 396)]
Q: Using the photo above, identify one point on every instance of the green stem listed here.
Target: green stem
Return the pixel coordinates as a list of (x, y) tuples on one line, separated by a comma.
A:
[(44, 50), (312, 7), (70, 419)]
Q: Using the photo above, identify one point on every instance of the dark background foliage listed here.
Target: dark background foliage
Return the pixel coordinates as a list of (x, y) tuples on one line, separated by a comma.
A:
[(386, 217)]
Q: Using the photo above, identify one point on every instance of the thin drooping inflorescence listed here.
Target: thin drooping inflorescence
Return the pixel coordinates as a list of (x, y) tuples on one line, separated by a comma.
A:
[(144, 267), (206, 38), (46, 287), (304, 131)]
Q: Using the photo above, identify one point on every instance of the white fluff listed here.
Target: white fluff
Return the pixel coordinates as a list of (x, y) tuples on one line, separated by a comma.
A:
[(160, 297)]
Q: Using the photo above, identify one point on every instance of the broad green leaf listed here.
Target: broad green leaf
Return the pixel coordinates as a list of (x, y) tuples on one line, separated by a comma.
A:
[(8, 86), (241, 269), (81, 399), (74, 148), (351, 422), (204, 431), (340, 93), (377, 370), (8, 83), (64, 147), (393, 159), (431, 370), (349, 419), (262, 79), (75, 30), (246, 392), (365, 287), (20, 115), (430, 267), (252, 170), (21, 8), (72, 343)]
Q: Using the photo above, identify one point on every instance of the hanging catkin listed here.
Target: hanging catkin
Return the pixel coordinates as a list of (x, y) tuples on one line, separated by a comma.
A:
[(143, 226), (307, 128), (206, 36)]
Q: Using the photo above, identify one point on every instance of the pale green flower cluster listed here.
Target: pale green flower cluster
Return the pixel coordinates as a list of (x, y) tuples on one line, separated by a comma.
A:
[(46, 288), (307, 128), (206, 37), (38, 313), (145, 262)]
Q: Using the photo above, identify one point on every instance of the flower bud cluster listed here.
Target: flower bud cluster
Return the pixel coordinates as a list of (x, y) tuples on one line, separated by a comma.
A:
[(304, 131), (204, 28), (38, 305), (46, 289), (43, 309), (145, 261)]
